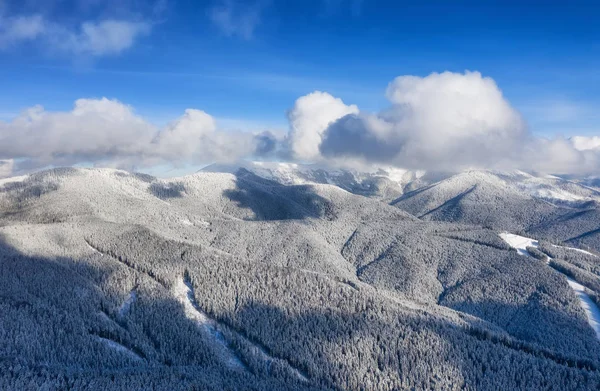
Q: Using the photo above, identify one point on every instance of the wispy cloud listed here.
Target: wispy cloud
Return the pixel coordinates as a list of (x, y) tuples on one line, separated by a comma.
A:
[(14, 30), (237, 18), (93, 37)]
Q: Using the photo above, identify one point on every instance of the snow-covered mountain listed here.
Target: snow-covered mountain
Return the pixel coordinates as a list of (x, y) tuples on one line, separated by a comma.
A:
[(385, 183), (235, 280), (381, 183), (564, 209)]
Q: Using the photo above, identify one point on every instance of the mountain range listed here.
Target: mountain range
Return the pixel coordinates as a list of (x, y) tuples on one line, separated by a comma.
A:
[(265, 276)]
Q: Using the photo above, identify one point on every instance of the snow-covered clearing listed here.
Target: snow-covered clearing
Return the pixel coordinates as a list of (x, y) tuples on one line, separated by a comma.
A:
[(185, 295), (520, 243)]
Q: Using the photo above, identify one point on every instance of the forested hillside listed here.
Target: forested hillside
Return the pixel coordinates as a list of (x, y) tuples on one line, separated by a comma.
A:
[(114, 280)]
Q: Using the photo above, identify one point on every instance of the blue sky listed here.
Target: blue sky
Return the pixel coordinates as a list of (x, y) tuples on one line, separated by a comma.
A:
[(253, 66), (544, 55)]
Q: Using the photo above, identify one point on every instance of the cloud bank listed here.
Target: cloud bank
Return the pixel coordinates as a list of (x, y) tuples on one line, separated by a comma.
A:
[(451, 122), (433, 121), (109, 133), (441, 122)]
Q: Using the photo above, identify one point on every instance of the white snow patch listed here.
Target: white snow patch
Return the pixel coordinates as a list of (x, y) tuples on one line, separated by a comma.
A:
[(184, 294), (557, 194), (592, 312), (186, 222), (520, 243), (591, 309)]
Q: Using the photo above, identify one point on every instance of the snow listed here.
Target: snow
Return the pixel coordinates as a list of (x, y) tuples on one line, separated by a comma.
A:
[(591, 309), (592, 312), (93, 249), (186, 222), (576, 249), (520, 243), (185, 295), (14, 179), (557, 194)]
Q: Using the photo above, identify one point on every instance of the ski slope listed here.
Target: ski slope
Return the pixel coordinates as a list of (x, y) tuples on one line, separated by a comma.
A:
[(592, 312)]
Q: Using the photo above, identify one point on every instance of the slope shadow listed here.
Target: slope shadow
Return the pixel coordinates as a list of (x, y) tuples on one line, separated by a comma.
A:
[(60, 330), (165, 191), (337, 350), (418, 352), (269, 200)]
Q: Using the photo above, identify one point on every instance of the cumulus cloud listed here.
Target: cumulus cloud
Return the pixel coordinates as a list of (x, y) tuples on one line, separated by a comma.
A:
[(442, 122), (309, 118), (583, 143), (110, 133), (237, 18), (444, 119)]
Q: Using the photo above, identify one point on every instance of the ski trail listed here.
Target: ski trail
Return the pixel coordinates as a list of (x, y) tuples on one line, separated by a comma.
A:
[(184, 293), (592, 312), (182, 290), (576, 249), (591, 309)]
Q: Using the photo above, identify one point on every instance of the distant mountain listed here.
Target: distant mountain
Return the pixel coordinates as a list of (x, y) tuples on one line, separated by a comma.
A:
[(385, 184), (547, 207), (237, 278), (560, 209)]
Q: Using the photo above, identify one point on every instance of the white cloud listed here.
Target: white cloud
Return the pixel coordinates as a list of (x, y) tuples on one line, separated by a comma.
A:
[(103, 38), (444, 122), (309, 118), (444, 119), (582, 143), (236, 18), (108, 35), (110, 133), (94, 129), (452, 121), (14, 30)]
